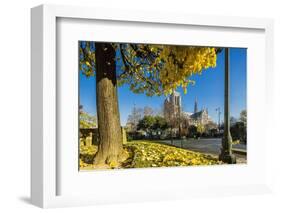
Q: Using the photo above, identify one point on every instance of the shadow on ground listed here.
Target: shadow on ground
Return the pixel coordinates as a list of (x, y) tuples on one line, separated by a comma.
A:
[(26, 199)]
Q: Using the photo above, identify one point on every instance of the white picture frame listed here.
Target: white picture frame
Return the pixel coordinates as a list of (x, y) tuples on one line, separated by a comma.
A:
[(45, 178)]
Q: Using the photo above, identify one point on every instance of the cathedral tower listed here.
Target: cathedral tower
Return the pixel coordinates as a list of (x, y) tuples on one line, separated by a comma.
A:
[(195, 106)]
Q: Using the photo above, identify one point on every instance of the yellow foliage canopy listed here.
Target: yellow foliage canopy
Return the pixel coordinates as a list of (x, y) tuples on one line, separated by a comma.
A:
[(180, 63), (153, 69)]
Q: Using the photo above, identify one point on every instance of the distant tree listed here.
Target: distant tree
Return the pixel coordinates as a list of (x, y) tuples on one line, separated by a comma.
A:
[(87, 120), (214, 132), (135, 117), (200, 130), (238, 132), (160, 124), (221, 127), (147, 124), (210, 125), (192, 130), (243, 117), (239, 128), (232, 121), (148, 111)]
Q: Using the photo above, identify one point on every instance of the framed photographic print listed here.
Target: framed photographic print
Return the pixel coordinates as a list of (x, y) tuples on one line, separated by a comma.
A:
[(146, 105)]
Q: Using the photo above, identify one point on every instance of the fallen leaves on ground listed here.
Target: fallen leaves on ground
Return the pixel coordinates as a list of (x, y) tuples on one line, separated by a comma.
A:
[(147, 154), (143, 154), (87, 153)]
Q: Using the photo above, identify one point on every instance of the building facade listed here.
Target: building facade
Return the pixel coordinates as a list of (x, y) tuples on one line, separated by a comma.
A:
[(172, 106), (173, 112)]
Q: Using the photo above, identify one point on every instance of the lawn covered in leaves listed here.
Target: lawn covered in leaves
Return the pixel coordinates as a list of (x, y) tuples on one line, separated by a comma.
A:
[(144, 154)]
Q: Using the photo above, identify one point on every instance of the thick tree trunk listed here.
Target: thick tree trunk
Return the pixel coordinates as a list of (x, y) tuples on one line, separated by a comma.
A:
[(171, 135), (110, 147)]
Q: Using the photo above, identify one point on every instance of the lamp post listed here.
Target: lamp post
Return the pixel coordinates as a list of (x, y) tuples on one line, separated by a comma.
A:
[(226, 150)]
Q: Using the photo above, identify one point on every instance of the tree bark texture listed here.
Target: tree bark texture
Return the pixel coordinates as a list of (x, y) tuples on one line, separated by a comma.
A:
[(110, 147)]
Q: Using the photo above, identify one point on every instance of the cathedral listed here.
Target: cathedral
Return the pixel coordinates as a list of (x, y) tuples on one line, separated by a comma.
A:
[(173, 111)]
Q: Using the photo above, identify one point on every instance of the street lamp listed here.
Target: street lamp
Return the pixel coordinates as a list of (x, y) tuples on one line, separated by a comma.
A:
[(226, 150)]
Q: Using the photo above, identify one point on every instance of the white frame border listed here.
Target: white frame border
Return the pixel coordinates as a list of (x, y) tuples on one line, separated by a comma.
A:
[(43, 91)]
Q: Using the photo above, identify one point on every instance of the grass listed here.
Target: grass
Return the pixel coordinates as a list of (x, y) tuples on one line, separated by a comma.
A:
[(143, 154)]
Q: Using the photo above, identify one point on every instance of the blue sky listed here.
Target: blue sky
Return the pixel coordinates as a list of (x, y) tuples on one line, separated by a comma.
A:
[(208, 89)]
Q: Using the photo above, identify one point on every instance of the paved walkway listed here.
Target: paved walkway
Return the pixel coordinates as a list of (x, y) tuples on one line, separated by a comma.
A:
[(206, 145)]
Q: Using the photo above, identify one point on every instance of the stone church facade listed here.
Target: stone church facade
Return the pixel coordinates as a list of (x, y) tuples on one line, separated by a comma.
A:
[(173, 111)]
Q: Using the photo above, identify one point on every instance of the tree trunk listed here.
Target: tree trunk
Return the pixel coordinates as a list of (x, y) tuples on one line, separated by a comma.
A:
[(171, 135), (110, 147)]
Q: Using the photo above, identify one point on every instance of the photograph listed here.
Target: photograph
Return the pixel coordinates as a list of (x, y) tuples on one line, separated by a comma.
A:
[(160, 105)]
